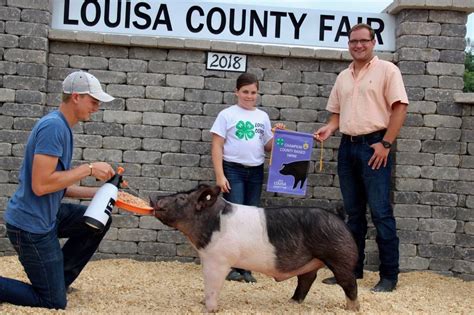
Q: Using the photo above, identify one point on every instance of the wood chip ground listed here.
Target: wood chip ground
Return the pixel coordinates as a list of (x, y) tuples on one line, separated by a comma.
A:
[(122, 286)]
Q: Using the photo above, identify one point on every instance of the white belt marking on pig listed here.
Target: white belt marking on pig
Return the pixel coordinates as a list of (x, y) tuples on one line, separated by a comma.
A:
[(242, 242)]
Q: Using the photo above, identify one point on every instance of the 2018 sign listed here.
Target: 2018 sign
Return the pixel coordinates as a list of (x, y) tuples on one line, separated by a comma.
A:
[(226, 62)]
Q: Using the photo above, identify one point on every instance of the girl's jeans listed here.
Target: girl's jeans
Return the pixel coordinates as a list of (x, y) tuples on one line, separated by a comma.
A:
[(245, 183)]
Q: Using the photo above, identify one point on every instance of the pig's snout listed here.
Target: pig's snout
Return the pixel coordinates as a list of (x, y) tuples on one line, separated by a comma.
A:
[(154, 200), (155, 204)]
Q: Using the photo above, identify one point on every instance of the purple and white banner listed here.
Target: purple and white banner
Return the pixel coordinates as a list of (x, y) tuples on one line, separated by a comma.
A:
[(289, 162)]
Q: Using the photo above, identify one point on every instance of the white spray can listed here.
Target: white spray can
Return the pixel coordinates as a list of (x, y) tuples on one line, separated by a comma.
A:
[(100, 209)]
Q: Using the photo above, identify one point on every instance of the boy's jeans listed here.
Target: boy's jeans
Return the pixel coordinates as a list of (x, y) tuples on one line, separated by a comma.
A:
[(50, 269)]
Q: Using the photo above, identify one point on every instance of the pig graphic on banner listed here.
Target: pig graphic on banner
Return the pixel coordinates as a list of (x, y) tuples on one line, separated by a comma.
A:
[(289, 162)]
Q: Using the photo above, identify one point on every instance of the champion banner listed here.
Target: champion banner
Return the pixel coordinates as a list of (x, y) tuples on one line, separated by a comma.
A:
[(289, 162)]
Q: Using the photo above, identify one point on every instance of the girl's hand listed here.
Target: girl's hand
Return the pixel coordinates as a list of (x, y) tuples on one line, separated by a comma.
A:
[(279, 126), (223, 183)]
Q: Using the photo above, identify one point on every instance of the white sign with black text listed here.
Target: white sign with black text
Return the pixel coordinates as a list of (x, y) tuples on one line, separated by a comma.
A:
[(226, 62), (220, 21)]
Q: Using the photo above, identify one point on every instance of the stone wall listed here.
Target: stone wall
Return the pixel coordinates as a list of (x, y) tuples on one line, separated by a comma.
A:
[(158, 128), (434, 169)]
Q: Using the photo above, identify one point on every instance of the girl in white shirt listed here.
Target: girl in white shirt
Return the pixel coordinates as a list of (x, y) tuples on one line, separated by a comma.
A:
[(241, 134)]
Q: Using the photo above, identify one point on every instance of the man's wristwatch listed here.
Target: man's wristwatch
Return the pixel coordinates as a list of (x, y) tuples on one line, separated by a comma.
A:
[(386, 144)]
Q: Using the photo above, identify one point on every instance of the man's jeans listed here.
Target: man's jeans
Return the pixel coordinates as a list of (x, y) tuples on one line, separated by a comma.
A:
[(50, 269), (361, 185), (245, 183)]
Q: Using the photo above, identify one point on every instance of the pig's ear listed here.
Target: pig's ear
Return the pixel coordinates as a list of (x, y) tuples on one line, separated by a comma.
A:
[(207, 198)]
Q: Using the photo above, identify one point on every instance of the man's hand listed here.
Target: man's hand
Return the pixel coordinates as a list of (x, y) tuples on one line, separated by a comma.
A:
[(326, 131), (322, 133), (379, 157)]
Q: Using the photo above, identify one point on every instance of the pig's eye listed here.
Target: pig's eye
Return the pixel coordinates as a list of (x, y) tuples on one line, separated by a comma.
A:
[(181, 199)]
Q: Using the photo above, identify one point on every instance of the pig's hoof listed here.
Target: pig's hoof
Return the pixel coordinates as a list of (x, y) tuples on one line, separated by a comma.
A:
[(210, 309), (293, 300), (353, 306)]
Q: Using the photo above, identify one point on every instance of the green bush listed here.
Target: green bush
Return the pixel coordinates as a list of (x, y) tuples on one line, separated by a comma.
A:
[(469, 72)]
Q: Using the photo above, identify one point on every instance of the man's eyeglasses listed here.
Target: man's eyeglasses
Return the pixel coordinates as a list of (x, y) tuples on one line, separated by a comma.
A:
[(354, 42)]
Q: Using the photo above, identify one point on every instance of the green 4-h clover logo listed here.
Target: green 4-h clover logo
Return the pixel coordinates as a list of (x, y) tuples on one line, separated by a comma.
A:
[(245, 130), (280, 142)]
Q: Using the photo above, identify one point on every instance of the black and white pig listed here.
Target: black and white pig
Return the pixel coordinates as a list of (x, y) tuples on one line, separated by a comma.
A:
[(279, 242)]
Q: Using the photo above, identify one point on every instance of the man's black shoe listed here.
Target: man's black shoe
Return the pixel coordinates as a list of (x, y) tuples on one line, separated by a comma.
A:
[(385, 285), (332, 280)]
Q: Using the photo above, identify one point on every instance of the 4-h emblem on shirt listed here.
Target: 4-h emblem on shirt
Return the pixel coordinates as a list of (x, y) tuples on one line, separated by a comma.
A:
[(245, 130)]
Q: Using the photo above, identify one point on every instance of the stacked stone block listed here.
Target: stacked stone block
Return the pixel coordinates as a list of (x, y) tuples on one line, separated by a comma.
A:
[(24, 45), (431, 186)]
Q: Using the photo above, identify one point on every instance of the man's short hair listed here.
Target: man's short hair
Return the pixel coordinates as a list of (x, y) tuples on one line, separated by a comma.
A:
[(66, 97), (361, 26)]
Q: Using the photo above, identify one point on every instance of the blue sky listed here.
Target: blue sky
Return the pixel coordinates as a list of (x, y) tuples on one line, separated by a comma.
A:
[(376, 6)]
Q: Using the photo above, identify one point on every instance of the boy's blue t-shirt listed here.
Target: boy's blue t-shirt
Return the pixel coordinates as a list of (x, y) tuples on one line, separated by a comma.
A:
[(27, 211)]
